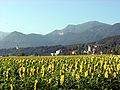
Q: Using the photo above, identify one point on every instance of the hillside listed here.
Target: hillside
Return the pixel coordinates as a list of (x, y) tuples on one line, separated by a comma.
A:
[(72, 34), (107, 46), (110, 40)]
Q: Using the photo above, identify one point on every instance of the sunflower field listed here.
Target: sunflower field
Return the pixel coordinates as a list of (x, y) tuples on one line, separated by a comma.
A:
[(85, 72)]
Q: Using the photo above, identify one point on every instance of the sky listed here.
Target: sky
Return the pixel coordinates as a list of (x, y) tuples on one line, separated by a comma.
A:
[(45, 16)]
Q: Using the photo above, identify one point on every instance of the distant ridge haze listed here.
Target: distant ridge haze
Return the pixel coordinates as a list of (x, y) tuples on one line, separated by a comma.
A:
[(72, 34)]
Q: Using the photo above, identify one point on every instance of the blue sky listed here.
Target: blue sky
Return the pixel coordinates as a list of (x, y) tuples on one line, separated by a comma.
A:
[(44, 16)]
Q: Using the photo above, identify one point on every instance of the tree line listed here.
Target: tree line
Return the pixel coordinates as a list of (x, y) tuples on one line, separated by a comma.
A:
[(109, 48)]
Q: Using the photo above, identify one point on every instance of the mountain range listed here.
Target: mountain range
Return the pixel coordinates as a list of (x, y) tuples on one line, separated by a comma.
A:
[(72, 34)]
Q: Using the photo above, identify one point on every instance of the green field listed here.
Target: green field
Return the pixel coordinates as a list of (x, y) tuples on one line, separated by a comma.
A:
[(85, 72)]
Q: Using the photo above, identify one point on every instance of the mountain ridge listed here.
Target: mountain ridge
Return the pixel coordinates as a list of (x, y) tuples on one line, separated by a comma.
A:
[(72, 34)]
